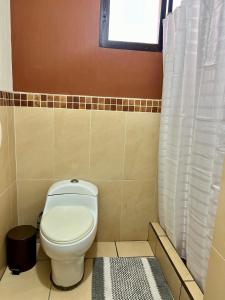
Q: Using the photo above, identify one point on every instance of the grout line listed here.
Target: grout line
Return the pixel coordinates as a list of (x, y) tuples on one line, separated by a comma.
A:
[(90, 144), (129, 241), (180, 290), (50, 290), (217, 252), (156, 193), (123, 174), (8, 188), (3, 274), (116, 250), (14, 153), (53, 144), (37, 179), (93, 178), (9, 163), (16, 166), (121, 208), (124, 146)]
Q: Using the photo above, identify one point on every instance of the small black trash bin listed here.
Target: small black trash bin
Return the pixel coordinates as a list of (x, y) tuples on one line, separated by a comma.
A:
[(21, 248)]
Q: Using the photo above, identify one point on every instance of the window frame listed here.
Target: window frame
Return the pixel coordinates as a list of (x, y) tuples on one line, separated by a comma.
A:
[(170, 6), (104, 42)]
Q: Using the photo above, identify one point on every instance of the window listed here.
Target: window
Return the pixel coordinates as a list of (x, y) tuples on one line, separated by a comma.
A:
[(132, 24)]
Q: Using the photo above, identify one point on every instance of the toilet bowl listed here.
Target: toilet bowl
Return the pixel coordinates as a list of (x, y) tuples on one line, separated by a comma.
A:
[(68, 228)]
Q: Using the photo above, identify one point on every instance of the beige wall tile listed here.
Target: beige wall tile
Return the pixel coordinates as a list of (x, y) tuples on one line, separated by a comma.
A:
[(141, 150), (12, 192), (31, 199), (60, 144), (4, 151), (156, 185), (215, 287), (72, 133), (11, 145), (168, 271), (109, 209), (4, 227), (34, 143), (7, 220), (219, 231), (102, 249), (8, 205), (107, 144), (138, 209)]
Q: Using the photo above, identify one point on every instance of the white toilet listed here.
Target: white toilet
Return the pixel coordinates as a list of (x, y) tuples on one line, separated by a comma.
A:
[(68, 228)]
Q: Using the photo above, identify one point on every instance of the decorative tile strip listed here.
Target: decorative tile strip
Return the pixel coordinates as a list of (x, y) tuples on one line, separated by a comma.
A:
[(79, 102), (6, 99)]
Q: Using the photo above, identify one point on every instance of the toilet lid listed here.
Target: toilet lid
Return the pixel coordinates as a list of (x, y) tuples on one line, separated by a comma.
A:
[(64, 224)]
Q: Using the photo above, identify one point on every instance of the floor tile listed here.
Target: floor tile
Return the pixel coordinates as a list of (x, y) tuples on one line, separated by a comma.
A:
[(82, 291), (100, 249), (136, 248), (33, 284)]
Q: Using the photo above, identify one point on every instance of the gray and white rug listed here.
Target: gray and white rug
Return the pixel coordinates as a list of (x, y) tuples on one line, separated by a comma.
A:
[(132, 278)]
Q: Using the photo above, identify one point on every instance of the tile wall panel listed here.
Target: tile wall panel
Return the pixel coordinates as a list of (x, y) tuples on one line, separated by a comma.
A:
[(8, 199), (108, 141), (80, 102)]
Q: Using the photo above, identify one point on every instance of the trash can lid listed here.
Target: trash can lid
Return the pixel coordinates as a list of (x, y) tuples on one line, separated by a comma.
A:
[(21, 232)]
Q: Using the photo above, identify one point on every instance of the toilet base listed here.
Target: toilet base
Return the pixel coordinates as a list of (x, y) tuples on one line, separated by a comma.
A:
[(66, 275), (62, 288)]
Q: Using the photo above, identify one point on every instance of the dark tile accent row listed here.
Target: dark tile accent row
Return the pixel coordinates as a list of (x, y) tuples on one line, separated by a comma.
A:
[(79, 102)]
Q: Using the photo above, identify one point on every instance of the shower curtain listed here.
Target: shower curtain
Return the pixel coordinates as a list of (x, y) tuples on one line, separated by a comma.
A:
[(192, 133)]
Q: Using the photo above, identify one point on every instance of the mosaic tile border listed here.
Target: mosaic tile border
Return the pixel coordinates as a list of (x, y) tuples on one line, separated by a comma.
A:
[(79, 102)]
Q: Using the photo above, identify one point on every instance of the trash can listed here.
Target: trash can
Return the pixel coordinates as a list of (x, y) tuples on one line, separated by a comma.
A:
[(21, 248)]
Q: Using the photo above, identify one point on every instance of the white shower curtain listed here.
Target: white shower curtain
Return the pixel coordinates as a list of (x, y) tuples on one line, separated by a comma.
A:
[(192, 133)]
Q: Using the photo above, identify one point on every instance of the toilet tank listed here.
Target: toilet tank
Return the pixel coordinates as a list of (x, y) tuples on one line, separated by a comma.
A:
[(73, 186), (72, 192)]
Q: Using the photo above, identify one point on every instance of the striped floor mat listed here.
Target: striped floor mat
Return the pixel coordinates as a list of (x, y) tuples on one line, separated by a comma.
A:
[(132, 278)]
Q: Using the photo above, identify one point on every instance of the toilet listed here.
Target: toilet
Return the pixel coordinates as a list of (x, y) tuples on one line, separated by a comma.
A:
[(68, 228)]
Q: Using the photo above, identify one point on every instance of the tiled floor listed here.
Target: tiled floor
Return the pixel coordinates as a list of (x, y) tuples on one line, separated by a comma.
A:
[(35, 283)]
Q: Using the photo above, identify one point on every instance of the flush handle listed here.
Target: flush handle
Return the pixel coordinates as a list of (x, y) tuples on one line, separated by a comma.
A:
[(74, 180)]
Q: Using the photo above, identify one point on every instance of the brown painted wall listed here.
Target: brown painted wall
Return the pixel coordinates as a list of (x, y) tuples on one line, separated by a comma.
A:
[(55, 50)]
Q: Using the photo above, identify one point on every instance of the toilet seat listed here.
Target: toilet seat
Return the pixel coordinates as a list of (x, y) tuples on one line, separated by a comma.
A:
[(67, 224)]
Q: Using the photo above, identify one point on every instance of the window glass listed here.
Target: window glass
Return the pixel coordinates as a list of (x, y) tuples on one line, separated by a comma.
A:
[(134, 21), (176, 3)]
